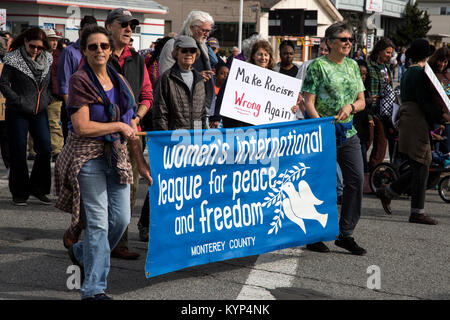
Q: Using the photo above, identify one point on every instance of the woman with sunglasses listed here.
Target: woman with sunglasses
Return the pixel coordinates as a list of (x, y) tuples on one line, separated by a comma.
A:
[(179, 95), (25, 85), (333, 87), (94, 163)]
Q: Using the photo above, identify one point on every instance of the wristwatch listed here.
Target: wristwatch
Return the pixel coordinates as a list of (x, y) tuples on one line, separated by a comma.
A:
[(353, 108)]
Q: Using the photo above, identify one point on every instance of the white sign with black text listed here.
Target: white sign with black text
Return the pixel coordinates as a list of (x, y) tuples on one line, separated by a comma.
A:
[(259, 96)]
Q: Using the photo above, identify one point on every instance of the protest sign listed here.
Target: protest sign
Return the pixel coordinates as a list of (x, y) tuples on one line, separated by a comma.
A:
[(437, 84), (259, 96), (227, 193)]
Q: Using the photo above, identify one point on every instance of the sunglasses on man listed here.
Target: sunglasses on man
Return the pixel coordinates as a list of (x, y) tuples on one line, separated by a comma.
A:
[(94, 46), (190, 50), (126, 24)]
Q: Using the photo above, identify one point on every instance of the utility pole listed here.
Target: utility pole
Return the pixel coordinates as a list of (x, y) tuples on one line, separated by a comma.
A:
[(241, 14)]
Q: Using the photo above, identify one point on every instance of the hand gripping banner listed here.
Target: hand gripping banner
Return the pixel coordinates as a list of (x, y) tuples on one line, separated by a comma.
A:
[(228, 193)]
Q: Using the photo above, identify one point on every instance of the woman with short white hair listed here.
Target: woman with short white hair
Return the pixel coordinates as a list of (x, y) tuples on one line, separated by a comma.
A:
[(198, 25)]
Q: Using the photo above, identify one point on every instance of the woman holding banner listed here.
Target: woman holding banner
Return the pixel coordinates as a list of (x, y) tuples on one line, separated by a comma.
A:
[(421, 108), (94, 163), (333, 87), (261, 55)]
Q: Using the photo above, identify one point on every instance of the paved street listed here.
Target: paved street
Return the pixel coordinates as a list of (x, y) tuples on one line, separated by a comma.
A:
[(411, 260)]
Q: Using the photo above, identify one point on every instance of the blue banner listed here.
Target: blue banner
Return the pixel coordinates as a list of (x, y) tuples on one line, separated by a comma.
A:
[(227, 193)]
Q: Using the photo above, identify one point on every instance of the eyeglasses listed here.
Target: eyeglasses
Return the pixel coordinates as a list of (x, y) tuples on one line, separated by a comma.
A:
[(126, 24), (190, 50), (344, 39), (94, 46), (204, 30), (33, 47)]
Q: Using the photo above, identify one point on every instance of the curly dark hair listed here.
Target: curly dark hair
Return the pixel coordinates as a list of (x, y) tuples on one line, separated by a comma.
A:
[(30, 34), (382, 44), (93, 29), (263, 44)]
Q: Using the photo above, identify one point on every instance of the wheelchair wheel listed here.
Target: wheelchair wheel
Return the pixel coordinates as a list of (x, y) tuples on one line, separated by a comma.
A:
[(383, 174), (444, 189)]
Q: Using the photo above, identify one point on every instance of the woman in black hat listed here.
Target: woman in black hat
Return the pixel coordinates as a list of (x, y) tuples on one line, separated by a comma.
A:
[(419, 110)]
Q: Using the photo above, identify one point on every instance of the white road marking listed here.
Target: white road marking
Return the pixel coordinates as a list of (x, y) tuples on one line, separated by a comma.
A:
[(270, 271)]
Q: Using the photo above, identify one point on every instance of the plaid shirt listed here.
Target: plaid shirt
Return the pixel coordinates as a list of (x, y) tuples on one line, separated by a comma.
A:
[(376, 83), (74, 154)]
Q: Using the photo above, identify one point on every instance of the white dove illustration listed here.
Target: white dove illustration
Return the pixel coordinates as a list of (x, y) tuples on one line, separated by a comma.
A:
[(301, 205)]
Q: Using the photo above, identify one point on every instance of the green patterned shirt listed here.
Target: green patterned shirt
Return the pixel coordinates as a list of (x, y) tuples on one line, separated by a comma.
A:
[(334, 85)]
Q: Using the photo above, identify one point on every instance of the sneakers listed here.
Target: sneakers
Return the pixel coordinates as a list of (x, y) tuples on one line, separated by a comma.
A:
[(124, 253), (100, 296), (422, 219), (349, 244), (318, 247), (42, 198), (385, 200), (143, 233), (71, 237), (18, 201)]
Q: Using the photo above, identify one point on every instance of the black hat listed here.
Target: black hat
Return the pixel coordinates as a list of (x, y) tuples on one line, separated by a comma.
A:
[(121, 14), (420, 49)]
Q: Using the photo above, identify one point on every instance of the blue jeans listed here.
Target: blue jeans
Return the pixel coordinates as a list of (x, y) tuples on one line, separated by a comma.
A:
[(21, 183), (106, 205)]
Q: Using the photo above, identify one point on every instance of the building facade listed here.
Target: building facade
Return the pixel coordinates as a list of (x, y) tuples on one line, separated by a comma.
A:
[(65, 16), (255, 19), (439, 12), (372, 19)]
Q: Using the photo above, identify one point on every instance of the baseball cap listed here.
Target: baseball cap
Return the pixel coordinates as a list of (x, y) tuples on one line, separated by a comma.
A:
[(121, 14), (213, 42), (184, 42)]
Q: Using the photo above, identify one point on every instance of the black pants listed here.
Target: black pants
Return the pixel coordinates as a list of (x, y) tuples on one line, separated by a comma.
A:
[(4, 145), (416, 178), (21, 184), (64, 121), (144, 220)]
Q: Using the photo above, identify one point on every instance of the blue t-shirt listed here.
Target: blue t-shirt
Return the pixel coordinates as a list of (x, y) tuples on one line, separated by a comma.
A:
[(97, 111)]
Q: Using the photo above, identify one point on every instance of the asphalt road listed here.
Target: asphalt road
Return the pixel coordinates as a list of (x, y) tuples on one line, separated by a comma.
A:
[(404, 261)]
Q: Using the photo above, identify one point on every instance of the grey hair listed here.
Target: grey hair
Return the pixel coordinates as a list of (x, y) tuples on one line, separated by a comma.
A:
[(247, 45), (193, 18), (335, 29)]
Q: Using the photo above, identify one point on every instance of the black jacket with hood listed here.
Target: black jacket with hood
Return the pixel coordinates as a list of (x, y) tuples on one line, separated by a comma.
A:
[(18, 85)]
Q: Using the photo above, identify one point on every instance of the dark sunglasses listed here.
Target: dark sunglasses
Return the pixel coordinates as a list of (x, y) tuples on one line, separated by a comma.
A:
[(32, 47), (190, 50), (345, 39), (126, 24), (94, 46)]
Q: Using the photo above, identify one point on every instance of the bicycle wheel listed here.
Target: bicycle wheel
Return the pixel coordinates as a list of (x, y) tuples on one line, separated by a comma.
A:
[(444, 189), (383, 174)]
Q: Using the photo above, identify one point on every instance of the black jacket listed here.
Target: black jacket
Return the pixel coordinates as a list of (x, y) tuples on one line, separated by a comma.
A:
[(174, 105), (21, 91)]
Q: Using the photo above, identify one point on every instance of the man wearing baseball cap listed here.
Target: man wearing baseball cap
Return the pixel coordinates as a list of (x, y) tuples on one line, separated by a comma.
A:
[(54, 108), (121, 23)]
